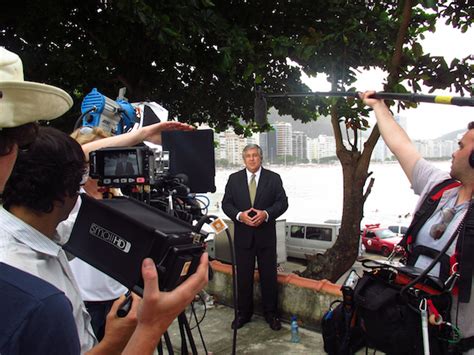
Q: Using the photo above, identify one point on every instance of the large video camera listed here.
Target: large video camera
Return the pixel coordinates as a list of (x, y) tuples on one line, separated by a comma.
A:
[(115, 235), (167, 179)]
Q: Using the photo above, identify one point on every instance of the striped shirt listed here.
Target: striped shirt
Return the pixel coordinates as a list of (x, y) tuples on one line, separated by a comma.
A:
[(27, 249)]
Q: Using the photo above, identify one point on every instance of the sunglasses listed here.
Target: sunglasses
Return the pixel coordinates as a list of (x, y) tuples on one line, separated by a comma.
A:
[(438, 229)]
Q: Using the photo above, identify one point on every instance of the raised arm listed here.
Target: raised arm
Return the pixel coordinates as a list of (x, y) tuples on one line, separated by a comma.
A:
[(394, 136), (150, 133)]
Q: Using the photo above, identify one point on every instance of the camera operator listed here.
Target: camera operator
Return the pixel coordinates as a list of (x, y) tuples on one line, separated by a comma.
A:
[(41, 192), (36, 317), (42, 325), (98, 290)]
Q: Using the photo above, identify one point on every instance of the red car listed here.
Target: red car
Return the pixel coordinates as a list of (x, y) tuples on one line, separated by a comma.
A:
[(380, 240)]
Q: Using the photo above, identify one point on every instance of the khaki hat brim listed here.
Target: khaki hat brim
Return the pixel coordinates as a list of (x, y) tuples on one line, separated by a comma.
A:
[(24, 102)]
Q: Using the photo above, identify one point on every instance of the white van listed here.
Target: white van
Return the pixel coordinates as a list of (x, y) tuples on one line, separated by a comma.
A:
[(310, 238)]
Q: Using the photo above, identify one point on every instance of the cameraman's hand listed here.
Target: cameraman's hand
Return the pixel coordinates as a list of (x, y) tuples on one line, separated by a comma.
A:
[(118, 330), (152, 133), (158, 309)]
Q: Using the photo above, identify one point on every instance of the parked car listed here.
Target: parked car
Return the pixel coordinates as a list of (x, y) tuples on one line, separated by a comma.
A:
[(312, 238), (381, 240), (398, 229)]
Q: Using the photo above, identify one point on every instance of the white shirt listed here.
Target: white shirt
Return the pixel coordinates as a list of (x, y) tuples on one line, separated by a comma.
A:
[(257, 178), (425, 176), (29, 250), (93, 284)]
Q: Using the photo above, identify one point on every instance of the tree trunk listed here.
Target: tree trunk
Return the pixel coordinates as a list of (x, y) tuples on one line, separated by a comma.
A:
[(337, 260), (355, 164)]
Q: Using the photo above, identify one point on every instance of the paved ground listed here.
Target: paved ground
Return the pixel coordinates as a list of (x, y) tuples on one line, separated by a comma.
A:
[(255, 337)]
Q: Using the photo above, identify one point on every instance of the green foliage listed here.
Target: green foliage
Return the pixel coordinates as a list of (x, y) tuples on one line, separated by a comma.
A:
[(201, 59)]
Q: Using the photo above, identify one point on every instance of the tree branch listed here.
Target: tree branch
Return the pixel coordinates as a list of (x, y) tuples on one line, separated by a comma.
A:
[(394, 70)]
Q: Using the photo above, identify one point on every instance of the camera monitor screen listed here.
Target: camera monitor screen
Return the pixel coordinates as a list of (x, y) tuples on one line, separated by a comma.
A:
[(192, 154), (121, 164)]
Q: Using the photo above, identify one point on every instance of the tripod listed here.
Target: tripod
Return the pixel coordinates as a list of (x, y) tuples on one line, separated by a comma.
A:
[(185, 331)]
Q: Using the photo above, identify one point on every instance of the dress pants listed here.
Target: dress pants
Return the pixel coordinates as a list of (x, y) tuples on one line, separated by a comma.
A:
[(267, 268)]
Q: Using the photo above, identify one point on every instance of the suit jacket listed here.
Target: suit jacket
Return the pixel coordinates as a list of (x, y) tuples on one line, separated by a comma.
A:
[(270, 196), (124, 168)]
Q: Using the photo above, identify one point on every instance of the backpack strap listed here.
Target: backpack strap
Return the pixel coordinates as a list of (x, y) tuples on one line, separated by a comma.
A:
[(444, 260), (465, 249), (425, 211)]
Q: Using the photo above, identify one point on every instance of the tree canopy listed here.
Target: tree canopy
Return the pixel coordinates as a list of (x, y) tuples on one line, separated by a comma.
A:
[(201, 59)]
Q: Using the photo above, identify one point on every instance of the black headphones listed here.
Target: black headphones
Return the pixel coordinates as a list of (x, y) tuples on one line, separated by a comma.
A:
[(471, 159)]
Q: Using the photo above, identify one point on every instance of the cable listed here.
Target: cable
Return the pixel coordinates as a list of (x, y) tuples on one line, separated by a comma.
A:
[(193, 311), (197, 228), (78, 121), (205, 197), (197, 324)]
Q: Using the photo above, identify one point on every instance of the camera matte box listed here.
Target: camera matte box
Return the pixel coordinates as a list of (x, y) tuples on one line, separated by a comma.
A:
[(192, 154), (115, 235)]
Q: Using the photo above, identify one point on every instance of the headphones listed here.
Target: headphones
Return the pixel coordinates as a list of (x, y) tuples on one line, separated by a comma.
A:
[(471, 159)]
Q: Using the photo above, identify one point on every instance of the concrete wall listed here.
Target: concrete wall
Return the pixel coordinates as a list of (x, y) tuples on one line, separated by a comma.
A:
[(305, 298)]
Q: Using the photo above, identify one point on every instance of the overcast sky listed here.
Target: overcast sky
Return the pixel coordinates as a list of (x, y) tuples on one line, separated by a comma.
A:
[(428, 120)]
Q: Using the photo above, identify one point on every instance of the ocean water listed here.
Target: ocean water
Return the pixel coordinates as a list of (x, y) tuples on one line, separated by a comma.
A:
[(315, 193)]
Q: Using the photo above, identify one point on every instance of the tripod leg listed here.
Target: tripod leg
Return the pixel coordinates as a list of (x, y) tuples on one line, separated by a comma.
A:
[(184, 345), (160, 348), (169, 346), (184, 323)]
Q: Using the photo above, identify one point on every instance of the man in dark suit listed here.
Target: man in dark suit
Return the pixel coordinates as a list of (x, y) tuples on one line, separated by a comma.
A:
[(254, 198), (124, 167)]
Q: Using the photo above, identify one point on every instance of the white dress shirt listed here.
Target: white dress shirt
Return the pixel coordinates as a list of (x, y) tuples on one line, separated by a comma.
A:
[(27, 249), (257, 178)]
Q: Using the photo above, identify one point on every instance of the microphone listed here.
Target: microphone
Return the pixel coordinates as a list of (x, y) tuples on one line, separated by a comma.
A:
[(260, 107)]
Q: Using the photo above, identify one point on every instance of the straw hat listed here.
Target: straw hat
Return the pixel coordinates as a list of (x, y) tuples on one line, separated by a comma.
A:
[(23, 101)]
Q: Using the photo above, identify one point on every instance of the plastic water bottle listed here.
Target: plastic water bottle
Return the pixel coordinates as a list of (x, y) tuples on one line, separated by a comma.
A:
[(295, 334)]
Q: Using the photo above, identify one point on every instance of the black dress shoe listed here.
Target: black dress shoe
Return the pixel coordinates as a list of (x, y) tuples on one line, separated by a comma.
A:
[(274, 323), (239, 322)]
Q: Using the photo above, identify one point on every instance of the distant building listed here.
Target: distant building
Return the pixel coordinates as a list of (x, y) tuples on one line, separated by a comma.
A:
[(299, 143), (436, 148), (321, 147), (221, 148), (268, 143), (231, 145), (381, 151), (284, 134)]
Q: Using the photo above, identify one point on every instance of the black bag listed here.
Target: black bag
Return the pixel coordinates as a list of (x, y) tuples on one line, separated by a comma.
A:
[(391, 321), (341, 335)]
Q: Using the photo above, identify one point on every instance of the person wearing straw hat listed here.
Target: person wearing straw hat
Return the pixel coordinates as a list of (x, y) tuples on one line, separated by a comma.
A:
[(22, 103), (36, 317)]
